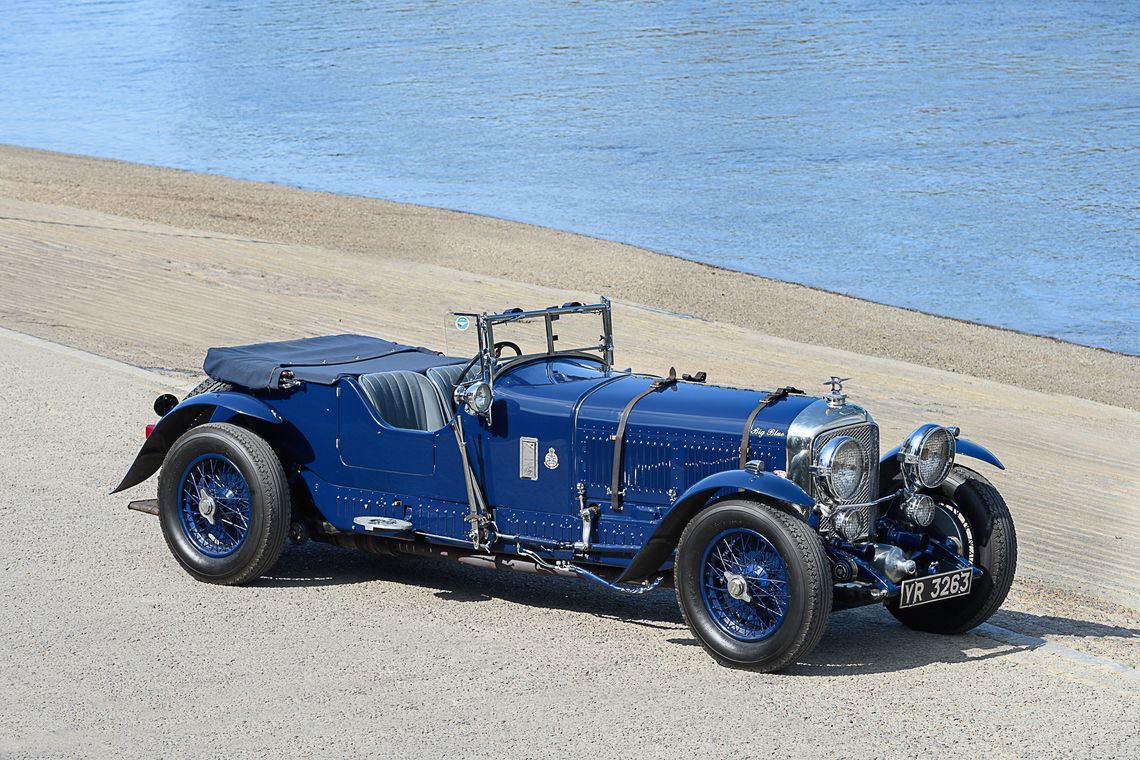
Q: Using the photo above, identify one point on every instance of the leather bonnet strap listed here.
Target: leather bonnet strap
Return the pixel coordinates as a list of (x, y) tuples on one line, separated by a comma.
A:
[(619, 437)]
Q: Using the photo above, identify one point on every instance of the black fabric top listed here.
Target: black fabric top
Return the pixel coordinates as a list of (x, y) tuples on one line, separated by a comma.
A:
[(321, 360)]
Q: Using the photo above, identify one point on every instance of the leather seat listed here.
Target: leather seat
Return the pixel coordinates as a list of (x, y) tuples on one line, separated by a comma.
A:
[(445, 379), (405, 399)]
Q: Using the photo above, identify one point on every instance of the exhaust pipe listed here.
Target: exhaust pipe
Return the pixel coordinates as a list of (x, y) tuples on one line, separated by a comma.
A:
[(393, 548)]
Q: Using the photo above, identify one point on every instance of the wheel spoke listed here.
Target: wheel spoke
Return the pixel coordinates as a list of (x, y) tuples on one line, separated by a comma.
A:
[(732, 553), (759, 601), (720, 558)]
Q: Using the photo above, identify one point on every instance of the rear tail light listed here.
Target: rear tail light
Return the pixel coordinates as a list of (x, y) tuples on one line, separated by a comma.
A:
[(149, 429)]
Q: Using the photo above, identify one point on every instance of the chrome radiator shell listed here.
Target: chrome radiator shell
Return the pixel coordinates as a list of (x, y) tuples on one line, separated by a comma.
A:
[(809, 431)]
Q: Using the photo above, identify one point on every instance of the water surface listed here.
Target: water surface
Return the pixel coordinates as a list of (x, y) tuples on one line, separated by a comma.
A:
[(977, 160)]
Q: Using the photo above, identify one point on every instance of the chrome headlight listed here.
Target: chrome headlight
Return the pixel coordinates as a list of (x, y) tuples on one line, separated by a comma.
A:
[(927, 456), (919, 509), (849, 523), (476, 397), (841, 465)]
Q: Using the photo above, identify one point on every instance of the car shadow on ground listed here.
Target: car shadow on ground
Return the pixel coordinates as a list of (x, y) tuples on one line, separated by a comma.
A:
[(315, 564), (869, 640), (857, 642), (1055, 625)]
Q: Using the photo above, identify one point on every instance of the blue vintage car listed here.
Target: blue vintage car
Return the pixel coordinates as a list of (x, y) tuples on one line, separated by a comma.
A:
[(766, 510)]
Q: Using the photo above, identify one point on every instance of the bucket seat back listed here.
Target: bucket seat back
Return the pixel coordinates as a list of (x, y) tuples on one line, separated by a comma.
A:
[(445, 379), (405, 399)]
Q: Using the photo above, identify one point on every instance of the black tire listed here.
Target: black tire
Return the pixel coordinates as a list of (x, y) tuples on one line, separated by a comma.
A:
[(209, 385), (809, 583), (967, 497), (269, 503)]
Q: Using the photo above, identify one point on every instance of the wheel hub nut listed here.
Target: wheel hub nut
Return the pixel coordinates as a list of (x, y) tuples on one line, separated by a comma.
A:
[(206, 506), (737, 586)]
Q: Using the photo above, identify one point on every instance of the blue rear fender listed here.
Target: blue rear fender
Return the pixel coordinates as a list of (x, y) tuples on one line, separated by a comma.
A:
[(779, 492), (192, 411)]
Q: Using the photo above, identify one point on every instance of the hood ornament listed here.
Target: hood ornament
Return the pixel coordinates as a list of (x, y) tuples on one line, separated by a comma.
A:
[(836, 398)]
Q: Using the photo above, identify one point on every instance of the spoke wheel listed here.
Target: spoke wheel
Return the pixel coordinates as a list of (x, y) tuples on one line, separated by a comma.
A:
[(214, 505), (223, 503), (753, 584), (745, 584)]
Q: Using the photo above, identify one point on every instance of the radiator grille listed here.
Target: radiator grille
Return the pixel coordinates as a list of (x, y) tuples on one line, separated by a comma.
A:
[(867, 435)]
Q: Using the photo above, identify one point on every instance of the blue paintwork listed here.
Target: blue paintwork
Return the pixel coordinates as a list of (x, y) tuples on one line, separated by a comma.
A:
[(223, 532), (748, 554), (370, 443), (683, 440), (675, 437)]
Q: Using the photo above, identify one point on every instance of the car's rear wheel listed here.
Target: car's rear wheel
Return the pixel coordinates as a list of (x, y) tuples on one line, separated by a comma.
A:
[(223, 504), (753, 584), (972, 511)]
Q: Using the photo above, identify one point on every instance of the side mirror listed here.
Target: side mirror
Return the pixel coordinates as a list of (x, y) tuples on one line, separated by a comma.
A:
[(476, 397)]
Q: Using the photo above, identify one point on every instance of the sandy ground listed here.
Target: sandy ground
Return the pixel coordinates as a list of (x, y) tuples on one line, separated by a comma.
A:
[(110, 649), (104, 638)]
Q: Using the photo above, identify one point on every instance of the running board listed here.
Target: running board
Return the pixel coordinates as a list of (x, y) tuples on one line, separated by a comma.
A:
[(147, 506)]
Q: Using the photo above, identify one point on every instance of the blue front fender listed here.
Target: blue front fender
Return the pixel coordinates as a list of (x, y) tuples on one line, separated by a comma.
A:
[(180, 419), (977, 451), (660, 545), (763, 483)]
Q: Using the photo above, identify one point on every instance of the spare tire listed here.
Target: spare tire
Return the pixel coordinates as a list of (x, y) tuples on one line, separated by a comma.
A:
[(209, 385)]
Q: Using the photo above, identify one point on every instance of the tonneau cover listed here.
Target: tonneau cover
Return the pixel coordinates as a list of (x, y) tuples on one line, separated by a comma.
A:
[(320, 360)]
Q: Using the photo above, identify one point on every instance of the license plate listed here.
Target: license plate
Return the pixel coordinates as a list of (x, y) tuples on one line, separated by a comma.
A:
[(935, 588)]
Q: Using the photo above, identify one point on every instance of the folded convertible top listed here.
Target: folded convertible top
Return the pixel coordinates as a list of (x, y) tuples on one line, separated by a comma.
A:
[(321, 360)]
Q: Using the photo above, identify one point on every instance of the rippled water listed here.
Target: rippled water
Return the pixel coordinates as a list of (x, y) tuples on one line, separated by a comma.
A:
[(978, 160)]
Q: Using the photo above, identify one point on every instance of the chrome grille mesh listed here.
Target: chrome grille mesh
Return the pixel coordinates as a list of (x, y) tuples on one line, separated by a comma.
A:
[(867, 435)]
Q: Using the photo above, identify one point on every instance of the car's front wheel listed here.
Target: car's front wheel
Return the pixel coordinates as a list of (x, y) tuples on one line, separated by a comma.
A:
[(754, 585), (223, 504), (971, 511)]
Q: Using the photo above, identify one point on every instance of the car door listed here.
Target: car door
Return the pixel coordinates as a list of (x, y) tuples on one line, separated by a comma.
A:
[(368, 442)]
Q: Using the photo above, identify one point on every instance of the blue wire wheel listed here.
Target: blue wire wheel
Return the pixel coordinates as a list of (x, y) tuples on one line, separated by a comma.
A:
[(214, 505), (744, 584)]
